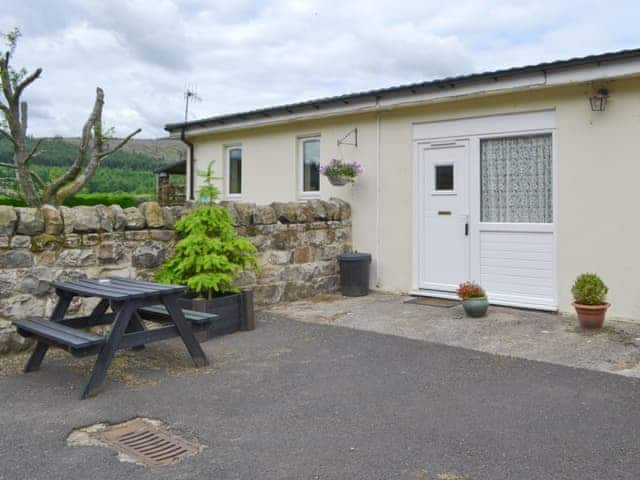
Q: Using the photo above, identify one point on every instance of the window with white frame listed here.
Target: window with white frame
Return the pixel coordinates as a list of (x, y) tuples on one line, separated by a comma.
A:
[(234, 171), (516, 179), (309, 166), (444, 178)]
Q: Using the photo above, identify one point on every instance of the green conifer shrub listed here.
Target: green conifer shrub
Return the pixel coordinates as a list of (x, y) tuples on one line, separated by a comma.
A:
[(589, 289), (209, 253)]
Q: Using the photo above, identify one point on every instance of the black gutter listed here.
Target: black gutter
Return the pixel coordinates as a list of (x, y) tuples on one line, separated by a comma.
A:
[(192, 162)]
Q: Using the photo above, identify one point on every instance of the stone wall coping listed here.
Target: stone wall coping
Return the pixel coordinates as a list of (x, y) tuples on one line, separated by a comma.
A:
[(51, 220)]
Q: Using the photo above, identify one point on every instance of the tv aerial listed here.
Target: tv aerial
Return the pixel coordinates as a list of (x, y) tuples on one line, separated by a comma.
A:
[(190, 95)]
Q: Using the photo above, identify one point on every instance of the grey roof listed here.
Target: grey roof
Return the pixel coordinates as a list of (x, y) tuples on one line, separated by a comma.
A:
[(179, 167), (408, 88)]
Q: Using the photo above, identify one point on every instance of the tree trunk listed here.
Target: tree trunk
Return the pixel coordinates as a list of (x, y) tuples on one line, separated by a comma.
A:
[(21, 159), (76, 177)]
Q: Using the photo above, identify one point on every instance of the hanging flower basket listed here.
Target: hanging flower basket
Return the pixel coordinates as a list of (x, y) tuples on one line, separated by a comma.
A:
[(341, 173), (339, 181)]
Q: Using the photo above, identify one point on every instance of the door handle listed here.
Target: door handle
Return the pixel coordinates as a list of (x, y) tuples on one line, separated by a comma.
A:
[(466, 229)]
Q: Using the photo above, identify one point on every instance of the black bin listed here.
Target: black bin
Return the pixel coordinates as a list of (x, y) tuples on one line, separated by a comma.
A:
[(354, 274)]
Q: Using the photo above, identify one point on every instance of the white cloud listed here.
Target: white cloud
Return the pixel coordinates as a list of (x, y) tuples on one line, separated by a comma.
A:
[(244, 55)]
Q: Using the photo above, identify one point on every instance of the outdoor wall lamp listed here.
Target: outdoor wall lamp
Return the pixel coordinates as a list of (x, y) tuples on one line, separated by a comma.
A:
[(599, 100)]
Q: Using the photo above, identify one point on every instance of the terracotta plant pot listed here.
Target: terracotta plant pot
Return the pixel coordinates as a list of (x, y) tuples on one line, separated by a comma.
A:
[(339, 181), (591, 316), (476, 307)]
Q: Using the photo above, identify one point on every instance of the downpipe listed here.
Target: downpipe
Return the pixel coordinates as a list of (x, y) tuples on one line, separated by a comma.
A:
[(192, 163)]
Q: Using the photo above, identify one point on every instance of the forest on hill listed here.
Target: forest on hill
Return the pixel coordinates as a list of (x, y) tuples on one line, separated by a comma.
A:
[(129, 170)]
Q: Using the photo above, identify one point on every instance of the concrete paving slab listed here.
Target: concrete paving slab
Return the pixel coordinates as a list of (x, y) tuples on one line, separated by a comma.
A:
[(529, 334)]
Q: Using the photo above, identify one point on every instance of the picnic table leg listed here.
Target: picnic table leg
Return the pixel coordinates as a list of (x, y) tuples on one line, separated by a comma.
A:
[(136, 325), (35, 360), (99, 309), (109, 348), (189, 339)]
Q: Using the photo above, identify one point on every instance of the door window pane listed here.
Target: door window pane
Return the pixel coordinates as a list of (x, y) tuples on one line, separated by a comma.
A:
[(311, 165), (235, 171), (444, 177), (516, 179)]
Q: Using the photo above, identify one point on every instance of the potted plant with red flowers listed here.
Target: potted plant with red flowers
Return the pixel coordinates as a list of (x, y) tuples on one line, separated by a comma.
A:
[(474, 299), (340, 173), (590, 300)]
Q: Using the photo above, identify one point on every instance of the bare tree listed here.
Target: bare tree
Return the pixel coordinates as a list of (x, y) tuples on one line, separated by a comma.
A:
[(93, 144)]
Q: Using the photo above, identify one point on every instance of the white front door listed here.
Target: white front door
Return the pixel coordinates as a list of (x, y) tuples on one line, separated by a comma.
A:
[(443, 246)]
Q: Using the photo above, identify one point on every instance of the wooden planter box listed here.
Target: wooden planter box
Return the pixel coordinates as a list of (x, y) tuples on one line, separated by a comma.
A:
[(235, 311)]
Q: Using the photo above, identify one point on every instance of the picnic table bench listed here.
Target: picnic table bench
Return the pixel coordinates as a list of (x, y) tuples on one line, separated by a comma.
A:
[(131, 302)]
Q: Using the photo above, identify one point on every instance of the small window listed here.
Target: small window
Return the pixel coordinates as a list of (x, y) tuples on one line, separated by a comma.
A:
[(234, 171), (444, 178), (310, 165)]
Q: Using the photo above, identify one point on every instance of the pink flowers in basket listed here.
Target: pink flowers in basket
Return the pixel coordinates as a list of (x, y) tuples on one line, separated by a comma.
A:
[(340, 173)]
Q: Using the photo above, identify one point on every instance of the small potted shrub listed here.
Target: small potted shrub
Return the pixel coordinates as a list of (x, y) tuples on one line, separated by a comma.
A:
[(474, 299), (207, 259), (590, 300), (340, 173)]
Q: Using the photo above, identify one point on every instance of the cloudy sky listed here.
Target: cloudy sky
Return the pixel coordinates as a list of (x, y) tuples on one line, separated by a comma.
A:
[(242, 54)]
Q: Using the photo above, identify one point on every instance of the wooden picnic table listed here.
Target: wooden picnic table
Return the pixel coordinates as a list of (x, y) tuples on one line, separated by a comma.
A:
[(130, 301)]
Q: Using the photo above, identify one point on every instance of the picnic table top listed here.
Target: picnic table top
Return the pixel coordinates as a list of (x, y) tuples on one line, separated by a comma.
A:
[(117, 288)]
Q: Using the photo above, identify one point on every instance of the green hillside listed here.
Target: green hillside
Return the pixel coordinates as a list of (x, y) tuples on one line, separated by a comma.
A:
[(129, 170)]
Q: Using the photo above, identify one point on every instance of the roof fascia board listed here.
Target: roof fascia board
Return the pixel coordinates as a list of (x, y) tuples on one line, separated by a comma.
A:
[(466, 89), (279, 119), (481, 86), (588, 73)]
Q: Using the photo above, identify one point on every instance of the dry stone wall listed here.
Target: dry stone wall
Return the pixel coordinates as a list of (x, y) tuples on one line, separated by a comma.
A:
[(297, 248)]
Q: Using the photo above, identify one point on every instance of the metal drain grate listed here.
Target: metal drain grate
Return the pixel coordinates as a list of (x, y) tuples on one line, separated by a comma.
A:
[(148, 442)]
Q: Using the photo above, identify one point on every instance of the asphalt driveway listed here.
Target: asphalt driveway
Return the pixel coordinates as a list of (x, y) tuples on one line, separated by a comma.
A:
[(302, 401)]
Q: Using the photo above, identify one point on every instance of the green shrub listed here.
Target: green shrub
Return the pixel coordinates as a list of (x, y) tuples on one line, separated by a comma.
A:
[(208, 193), (12, 202), (209, 255), (125, 200), (589, 289)]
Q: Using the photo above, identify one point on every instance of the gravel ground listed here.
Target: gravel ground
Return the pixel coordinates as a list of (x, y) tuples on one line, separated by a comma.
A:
[(302, 401), (518, 333)]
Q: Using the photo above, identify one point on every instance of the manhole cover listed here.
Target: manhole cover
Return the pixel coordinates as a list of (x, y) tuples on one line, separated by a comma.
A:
[(141, 440)]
